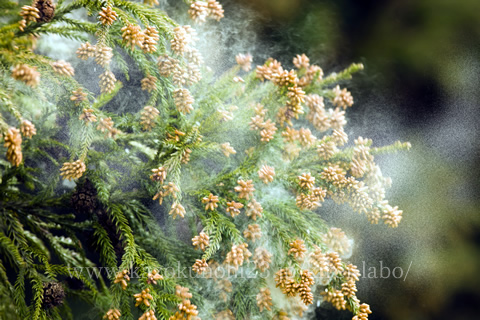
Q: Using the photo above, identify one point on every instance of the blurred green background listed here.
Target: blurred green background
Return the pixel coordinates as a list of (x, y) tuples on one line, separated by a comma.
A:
[(420, 84)]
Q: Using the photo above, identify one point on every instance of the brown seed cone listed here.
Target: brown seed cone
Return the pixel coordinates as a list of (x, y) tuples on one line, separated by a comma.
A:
[(245, 189), (88, 116), (227, 149), (28, 129), (107, 82), (194, 56), (179, 76), (27, 74), (202, 241), (285, 78), (148, 315), (159, 174), (105, 125), (336, 298), (264, 299), (198, 11), (326, 149), (336, 240), (112, 314), (177, 210), (215, 10), (304, 289), (179, 41), (392, 216), (103, 55), (46, 10), (307, 202), (182, 292), (373, 215), (245, 61), (306, 137), (311, 73), (343, 98), (262, 259), (307, 278), (266, 174), (107, 16), (282, 277), (290, 134), (306, 181), (253, 232), (306, 295), (143, 297), (189, 309), (290, 288), (349, 288), (237, 256), (85, 51), (193, 74), (234, 208), (296, 95), (186, 155), (183, 100), (73, 170), (53, 294), (153, 277), (268, 130), (200, 266), (297, 249), (150, 41), (365, 308), (149, 115), (78, 96), (281, 315), (29, 14), (84, 198), (22, 24), (211, 202), (334, 262), (122, 278), (63, 68), (254, 210), (166, 65), (301, 61), (177, 316), (132, 36), (13, 143), (319, 261), (149, 83)]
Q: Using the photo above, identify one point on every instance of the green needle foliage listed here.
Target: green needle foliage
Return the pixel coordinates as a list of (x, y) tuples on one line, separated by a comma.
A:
[(237, 166)]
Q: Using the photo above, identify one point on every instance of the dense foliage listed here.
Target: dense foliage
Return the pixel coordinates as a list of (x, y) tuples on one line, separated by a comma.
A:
[(236, 166)]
